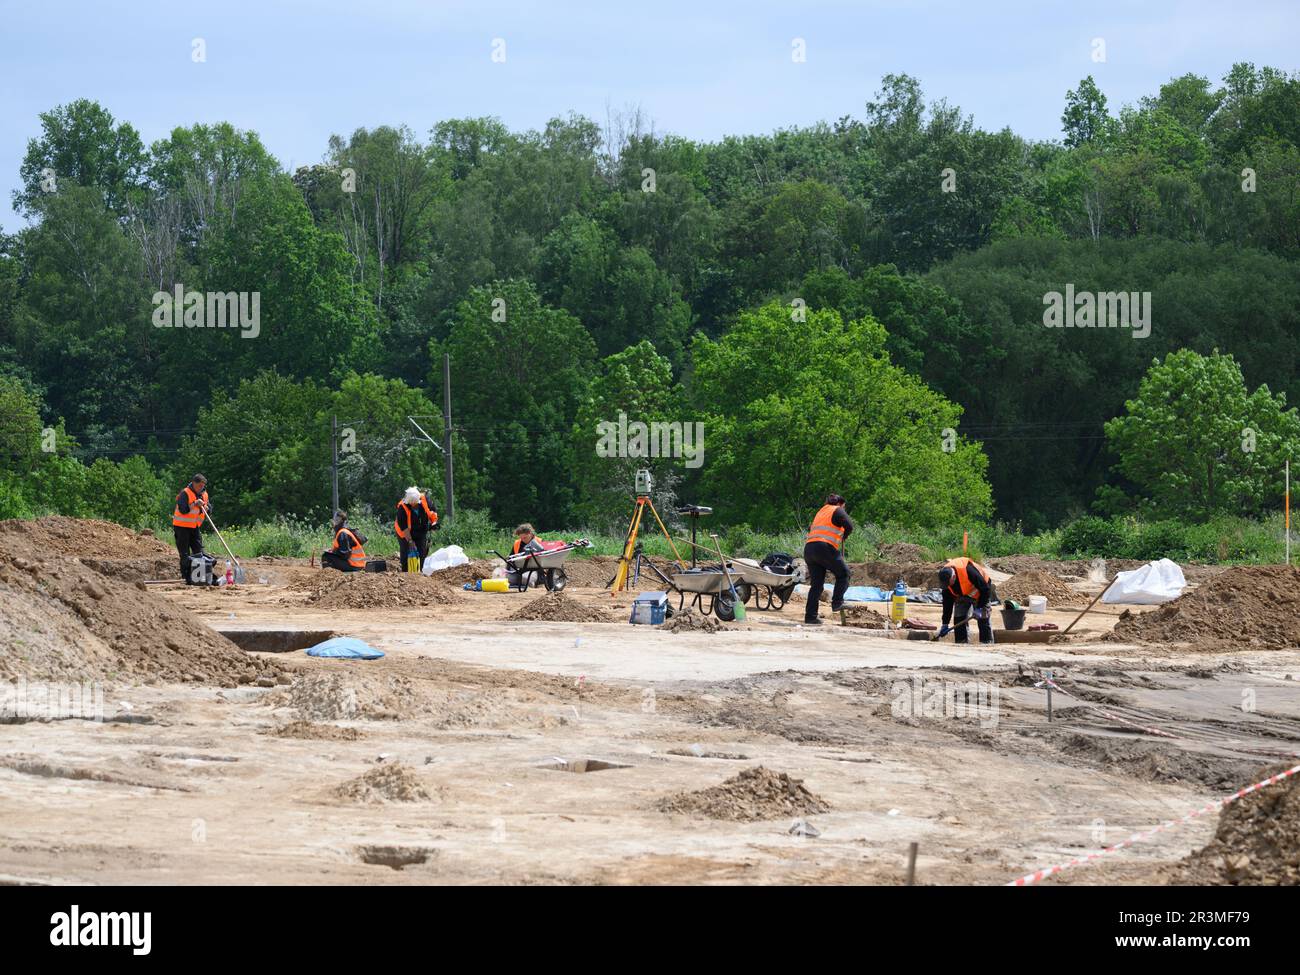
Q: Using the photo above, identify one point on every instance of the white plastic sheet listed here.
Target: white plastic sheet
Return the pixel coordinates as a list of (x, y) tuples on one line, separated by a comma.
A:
[(1155, 582), (444, 558)]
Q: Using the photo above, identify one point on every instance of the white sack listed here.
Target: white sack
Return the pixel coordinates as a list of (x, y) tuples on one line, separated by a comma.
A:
[(1155, 582)]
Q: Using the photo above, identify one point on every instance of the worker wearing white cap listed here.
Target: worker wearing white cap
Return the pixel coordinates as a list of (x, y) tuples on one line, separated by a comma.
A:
[(415, 518)]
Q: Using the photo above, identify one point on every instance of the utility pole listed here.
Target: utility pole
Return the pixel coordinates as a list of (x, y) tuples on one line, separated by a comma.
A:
[(334, 451), (446, 426)]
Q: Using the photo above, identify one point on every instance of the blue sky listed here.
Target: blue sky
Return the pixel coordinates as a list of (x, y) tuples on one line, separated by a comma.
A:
[(296, 72)]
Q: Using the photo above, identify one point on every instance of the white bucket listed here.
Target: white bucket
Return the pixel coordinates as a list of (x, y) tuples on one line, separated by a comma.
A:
[(1037, 604)]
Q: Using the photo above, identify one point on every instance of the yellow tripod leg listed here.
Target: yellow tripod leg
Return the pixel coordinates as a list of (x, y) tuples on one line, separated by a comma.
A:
[(677, 555), (625, 561)]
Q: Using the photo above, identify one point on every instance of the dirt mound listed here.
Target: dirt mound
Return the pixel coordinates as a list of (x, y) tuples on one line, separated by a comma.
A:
[(374, 590), (755, 794), (689, 622), (1153, 762), (60, 620), (1257, 842), (923, 575), (312, 731), (458, 575), (390, 782), (864, 617), (1254, 607), (901, 552), (556, 607), (83, 537), (1035, 582), (596, 571), (331, 696)]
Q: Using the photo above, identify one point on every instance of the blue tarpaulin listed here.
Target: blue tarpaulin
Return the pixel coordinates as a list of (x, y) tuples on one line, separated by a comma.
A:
[(346, 648), (865, 594)]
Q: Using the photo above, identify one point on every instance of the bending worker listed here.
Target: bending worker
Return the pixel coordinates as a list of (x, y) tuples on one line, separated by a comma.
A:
[(526, 541), (823, 551), (967, 590), (187, 521), (347, 555), (415, 516)]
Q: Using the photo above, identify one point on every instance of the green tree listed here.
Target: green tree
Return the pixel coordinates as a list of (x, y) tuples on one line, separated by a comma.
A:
[(1199, 444), (638, 384), (81, 144), (1085, 119), (519, 371), (796, 409)]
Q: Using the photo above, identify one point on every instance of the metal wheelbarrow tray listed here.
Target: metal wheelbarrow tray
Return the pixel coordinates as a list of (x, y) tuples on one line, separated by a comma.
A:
[(710, 582), (548, 564), (770, 589)]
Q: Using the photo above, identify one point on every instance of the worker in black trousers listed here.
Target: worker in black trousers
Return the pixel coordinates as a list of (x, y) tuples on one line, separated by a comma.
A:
[(191, 505), (823, 551)]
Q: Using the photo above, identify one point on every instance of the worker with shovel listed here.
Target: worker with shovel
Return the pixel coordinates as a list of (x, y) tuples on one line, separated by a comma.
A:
[(346, 555), (823, 551), (415, 518), (967, 591), (187, 519)]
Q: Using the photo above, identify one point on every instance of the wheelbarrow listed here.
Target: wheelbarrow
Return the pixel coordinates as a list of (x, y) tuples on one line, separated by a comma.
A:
[(709, 591), (548, 564), (770, 590)]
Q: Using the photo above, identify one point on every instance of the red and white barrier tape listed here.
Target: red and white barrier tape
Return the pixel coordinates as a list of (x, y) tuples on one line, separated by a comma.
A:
[(1037, 875)]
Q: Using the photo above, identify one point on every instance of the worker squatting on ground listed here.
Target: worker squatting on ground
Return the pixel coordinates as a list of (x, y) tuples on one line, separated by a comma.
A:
[(347, 555), (187, 520), (526, 541), (823, 551), (968, 590), (415, 519)]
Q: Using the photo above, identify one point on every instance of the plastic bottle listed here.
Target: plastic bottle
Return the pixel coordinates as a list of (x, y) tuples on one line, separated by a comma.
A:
[(230, 573), (898, 604)]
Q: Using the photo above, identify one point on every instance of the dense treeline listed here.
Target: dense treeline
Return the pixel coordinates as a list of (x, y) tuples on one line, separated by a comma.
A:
[(856, 304)]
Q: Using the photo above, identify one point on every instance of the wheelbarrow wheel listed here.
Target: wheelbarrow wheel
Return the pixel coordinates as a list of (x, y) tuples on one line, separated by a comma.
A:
[(556, 579), (743, 591), (724, 607)]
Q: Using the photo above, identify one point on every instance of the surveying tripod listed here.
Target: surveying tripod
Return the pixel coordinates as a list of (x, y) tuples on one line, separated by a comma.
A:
[(632, 550)]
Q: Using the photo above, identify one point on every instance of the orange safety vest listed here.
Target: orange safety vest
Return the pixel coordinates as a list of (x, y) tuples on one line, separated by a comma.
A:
[(357, 557), (195, 517), (518, 544), (825, 530), (429, 513), (964, 587)]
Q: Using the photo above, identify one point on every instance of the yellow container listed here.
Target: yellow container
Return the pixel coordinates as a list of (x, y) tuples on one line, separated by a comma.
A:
[(898, 608), (496, 585), (413, 563)]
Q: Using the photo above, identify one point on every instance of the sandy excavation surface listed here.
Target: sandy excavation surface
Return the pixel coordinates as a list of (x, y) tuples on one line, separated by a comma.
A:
[(483, 749)]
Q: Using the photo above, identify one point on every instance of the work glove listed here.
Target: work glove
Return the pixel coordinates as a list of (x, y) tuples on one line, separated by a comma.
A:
[(944, 631)]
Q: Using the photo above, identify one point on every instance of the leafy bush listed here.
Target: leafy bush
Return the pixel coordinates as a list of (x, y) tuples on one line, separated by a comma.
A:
[(1093, 537)]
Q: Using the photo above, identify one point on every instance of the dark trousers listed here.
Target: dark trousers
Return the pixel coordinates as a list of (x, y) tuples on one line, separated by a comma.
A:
[(336, 560), (962, 612), (823, 557), (418, 544), (189, 541)]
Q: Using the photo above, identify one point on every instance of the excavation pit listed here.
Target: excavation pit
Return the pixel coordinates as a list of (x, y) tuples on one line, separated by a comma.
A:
[(395, 857), (580, 765), (276, 641)]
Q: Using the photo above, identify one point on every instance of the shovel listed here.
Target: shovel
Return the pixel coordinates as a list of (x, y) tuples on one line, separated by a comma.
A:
[(739, 609), (238, 569)]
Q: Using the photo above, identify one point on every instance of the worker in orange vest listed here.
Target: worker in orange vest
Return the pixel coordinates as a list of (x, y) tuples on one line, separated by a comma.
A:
[(967, 590), (526, 541), (346, 555), (187, 520), (415, 518), (823, 550)]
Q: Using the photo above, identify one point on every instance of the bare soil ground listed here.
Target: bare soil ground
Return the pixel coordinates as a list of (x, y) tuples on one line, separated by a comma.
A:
[(484, 749)]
